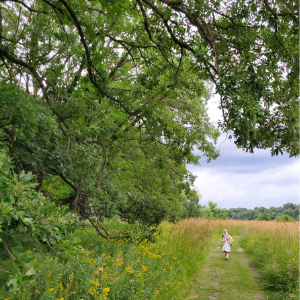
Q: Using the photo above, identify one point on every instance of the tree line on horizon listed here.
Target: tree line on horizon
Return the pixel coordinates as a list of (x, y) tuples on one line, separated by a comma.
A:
[(288, 212)]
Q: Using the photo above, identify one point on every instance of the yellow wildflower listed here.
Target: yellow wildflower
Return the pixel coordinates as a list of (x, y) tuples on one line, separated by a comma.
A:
[(130, 281), (119, 261), (144, 268), (105, 293), (33, 249), (94, 282), (51, 289), (91, 292), (105, 275), (37, 291), (29, 252)]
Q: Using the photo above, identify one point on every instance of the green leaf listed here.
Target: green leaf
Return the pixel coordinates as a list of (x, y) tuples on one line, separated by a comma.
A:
[(30, 272)]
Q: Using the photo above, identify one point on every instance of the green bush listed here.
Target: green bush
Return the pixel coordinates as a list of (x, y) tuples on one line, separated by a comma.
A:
[(285, 218), (28, 220)]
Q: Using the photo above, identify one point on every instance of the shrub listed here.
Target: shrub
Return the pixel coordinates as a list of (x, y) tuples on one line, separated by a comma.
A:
[(285, 218)]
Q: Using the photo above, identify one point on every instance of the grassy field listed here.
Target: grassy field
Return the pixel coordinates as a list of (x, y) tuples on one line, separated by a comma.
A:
[(166, 269), (226, 280), (273, 249)]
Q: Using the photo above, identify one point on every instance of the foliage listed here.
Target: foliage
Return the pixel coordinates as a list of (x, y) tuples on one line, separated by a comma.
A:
[(272, 213), (110, 97), (264, 217), (111, 269), (111, 127), (284, 218), (191, 208), (190, 205), (217, 213), (26, 216)]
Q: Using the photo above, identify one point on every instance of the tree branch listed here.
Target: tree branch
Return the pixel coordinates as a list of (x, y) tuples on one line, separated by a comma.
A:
[(7, 249), (29, 8)]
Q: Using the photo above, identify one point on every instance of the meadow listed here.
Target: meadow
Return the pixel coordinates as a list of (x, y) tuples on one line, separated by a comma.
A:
[(163, 269)]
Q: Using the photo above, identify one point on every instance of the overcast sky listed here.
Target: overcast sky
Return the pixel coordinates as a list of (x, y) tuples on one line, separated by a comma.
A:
[(240, 179)]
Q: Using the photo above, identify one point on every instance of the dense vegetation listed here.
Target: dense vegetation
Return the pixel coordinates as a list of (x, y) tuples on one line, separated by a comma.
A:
[(107, 100), (103, 103)]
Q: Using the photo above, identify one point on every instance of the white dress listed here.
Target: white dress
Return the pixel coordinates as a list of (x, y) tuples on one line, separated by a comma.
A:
[(226, 247)]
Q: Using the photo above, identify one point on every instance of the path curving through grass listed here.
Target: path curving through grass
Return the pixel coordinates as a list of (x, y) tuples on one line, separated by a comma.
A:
[(221, 279)]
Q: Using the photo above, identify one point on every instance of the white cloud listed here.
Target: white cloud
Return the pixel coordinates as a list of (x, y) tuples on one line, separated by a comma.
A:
[(240, 179), (267, 187)]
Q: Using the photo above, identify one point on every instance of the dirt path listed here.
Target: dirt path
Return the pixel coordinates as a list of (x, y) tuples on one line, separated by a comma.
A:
[(224, 280)]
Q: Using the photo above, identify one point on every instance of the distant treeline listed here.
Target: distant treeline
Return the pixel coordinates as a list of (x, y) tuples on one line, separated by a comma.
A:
[(191, 208), (287, 212)]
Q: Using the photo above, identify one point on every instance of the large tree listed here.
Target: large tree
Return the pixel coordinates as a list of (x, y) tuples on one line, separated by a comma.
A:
[(110, 96)]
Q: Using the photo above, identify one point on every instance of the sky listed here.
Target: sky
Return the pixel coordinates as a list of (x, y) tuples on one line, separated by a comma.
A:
[(240, 179)]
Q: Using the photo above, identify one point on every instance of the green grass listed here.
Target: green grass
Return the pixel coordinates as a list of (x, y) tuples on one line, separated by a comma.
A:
[(188, 242), (274, 250), (221, 279)]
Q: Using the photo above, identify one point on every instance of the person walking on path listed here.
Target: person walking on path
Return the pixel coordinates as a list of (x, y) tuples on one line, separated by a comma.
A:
[(227, 239)]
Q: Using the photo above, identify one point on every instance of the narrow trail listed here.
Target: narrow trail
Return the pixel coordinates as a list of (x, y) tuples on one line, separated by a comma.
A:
[(220, 279)]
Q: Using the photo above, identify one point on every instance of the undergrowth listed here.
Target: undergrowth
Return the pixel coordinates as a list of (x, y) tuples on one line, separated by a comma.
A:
[(111, 269)]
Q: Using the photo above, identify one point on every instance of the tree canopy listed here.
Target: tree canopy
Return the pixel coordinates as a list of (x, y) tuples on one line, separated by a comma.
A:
[(108, 98)]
